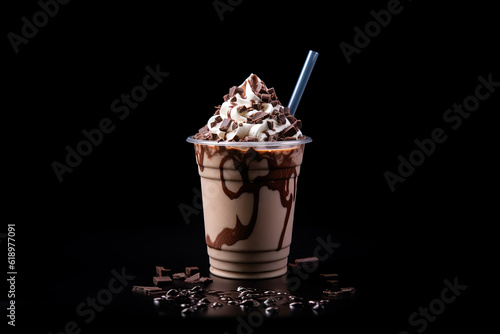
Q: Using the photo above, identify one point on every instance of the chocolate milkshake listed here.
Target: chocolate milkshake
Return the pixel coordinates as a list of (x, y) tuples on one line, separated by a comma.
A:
[(249, 156)]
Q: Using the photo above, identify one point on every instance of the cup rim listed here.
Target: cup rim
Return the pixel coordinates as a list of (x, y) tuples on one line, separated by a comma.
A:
[(257, 144)]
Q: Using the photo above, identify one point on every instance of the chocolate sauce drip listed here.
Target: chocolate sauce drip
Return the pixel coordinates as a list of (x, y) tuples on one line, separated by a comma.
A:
[(279, 178)]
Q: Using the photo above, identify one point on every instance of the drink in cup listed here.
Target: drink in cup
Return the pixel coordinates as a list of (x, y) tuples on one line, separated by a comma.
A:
[(249, 156)]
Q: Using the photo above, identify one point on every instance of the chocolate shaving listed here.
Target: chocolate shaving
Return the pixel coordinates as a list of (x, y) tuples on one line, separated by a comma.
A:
[(232, 90)]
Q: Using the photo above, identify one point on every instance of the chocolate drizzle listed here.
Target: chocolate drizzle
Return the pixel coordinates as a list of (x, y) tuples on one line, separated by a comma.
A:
[(282, 171)]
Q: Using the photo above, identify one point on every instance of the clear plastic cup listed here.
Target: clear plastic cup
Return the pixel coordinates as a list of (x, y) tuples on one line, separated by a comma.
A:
[(248, 191)]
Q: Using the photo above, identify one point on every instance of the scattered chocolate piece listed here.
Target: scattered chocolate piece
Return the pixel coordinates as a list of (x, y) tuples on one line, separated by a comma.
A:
[(266, 98), (313, 260), (193, 279), (250, 138), (348, 290), (327, 277), (164, 280), (145, 289), (333, 283), (205, 280), (192, 270), (270, 125), (160, 271)]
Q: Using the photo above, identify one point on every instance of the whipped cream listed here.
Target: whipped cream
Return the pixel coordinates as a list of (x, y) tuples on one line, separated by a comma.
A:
[(251, 112)]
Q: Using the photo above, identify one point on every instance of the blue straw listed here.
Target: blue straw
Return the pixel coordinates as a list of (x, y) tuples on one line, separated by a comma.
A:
[(302, 82)]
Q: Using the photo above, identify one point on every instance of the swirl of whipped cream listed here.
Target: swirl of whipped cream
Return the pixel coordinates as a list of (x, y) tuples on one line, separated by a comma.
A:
[(251, 112)]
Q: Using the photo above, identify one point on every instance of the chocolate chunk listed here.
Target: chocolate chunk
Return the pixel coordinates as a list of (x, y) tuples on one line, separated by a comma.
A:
[(234, 126), (270, 125), (145, 289), (258, 117), (288, 131), (289, 138), (160, 271), (333, 283), (193, 279), (297, 124), (225, 124), (218, 119), (164, 280), (290, 118), (281, 118), (274, 103), (256, 106), (226, 97), (348, 291), (192, 270), (203, 129), (266, 98), (241, 109), (205, 280), (250, 138), (180, 276), (329, 276), (270, 91), (286, 111), (307, 260)]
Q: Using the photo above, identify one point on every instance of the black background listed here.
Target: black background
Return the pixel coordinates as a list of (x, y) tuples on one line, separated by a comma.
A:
[(120, 206)]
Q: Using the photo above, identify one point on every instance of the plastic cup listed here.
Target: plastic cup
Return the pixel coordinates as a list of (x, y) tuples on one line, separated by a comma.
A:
[(248, 192)]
